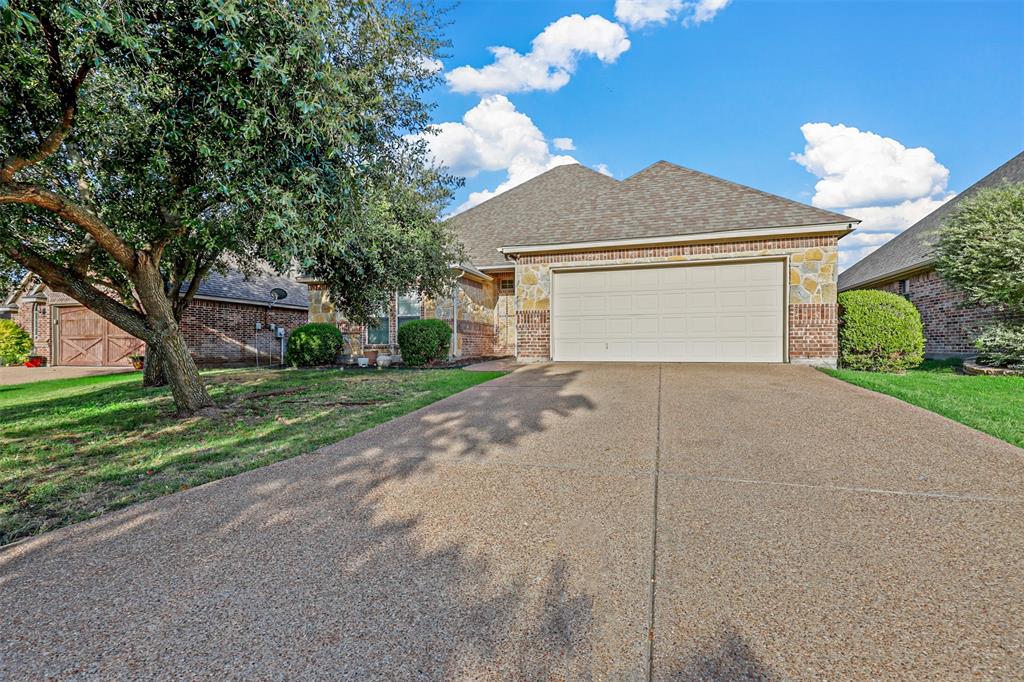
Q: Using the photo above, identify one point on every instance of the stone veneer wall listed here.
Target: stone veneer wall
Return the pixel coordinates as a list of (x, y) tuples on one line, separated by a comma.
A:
[(949, 326), (812, 315)]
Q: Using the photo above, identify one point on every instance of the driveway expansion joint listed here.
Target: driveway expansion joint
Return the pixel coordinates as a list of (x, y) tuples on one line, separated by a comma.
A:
[(654, 540)]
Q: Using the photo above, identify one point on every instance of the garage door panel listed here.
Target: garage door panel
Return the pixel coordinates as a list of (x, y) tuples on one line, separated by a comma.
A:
[(704, 313)]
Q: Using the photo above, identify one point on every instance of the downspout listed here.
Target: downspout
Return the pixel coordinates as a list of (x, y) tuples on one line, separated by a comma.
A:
[(455, 317)]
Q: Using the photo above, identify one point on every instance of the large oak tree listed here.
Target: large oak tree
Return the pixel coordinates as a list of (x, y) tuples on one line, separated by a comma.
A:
[(145, 142)]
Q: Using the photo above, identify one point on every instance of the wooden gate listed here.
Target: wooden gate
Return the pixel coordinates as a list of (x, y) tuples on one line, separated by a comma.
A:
[(86, 339)]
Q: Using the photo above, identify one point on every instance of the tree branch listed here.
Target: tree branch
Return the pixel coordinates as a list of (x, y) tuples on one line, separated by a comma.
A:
[(23, 193), (61, 279)]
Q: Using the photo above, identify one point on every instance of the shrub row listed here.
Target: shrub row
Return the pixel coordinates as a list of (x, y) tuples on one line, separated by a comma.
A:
[(421, 342)]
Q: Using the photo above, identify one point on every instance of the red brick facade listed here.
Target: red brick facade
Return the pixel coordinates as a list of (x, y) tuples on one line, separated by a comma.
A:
[(217, 333), (221, 333), (533, 334), (949, 326), (812, 331)]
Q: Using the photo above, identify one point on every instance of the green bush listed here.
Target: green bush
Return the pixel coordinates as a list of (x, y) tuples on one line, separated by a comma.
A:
[(879, 332), (314, 344), (15, 343), (1001, 345), (423, 341)]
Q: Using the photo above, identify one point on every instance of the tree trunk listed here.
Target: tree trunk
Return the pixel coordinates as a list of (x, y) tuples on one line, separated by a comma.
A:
[(153, 371), (182, 374)]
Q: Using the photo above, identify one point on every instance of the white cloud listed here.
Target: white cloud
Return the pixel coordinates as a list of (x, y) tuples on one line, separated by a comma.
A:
[(639, 13), (564, 144), (865, 169), (876, 179), (494, 136), (551, 61), (430, 65), (604, 170)]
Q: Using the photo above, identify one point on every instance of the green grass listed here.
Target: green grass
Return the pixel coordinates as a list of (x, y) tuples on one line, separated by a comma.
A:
[(993, 404), (75, 448)]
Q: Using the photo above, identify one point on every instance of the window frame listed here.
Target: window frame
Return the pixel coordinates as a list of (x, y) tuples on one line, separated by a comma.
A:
[(401, 319)]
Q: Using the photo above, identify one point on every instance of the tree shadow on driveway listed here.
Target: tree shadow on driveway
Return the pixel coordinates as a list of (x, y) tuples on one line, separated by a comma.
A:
[(418, 549)]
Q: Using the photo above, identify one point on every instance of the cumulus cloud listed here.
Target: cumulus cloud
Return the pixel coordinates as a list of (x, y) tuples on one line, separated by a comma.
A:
[(639, 13), (604, 170), (494, 136), (564, 144), (876, 179), (551, 61), (861, 168)]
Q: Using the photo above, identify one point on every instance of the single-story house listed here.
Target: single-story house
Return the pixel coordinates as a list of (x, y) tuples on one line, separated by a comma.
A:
[(668, 265), (906, 266), (219, 325)]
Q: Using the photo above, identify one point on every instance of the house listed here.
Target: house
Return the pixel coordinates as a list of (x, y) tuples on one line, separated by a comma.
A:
[(905, 265), (668, 265), (219, 325)]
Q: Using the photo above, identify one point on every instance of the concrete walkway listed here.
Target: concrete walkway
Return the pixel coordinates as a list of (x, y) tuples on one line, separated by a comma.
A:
[(25, 375), (563, 522)]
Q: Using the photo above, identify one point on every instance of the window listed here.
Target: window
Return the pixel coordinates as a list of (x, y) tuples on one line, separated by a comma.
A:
[(378, 332), (408, 308), (35, 321), (904, 287), (507, 286)]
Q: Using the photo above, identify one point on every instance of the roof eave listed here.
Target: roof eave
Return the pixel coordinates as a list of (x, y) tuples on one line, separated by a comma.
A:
[(838, 228), (902, 273)]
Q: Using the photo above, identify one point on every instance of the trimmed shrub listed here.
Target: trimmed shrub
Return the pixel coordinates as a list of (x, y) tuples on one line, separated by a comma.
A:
[(1001, 345), (15, 343), (879, 332), (314, 344), (423, 341)]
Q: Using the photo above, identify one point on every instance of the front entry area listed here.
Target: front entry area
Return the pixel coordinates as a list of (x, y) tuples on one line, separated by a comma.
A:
[(731, 312), (88, 340)]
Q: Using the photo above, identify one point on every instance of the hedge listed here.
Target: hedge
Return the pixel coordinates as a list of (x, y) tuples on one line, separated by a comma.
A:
[(314, 344), (1001, 345), (15, 343), (879, 332), (423, 341)]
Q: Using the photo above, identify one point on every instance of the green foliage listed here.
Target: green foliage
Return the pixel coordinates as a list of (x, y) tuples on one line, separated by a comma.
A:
[(15, 343), (423, 341), (314, 344), (980, 250), (1001, 345), (879, 332), (232, 133)]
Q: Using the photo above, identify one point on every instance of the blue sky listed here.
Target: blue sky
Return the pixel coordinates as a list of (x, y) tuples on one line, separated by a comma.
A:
[(913, 101)]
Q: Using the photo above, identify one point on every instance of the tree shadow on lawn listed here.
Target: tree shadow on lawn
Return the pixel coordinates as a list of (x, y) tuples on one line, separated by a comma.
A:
[(387, 556)]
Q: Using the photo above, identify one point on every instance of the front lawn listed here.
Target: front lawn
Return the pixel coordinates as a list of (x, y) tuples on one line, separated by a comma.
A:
[(73, 449), (994, 404)]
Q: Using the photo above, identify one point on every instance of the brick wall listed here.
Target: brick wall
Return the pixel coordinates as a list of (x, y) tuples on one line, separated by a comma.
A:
[(41, 339), (221, 333), (533, 331), (812, 331), (949, 326)]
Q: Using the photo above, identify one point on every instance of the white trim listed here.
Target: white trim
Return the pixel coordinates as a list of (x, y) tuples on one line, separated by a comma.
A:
[(904, 273), (506, 266), (722, 235), (258, 304)]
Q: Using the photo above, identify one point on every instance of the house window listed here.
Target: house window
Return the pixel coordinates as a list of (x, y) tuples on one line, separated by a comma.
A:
[(35, 321), (904, 287), (408, 308), (378, 332), (507, 286)]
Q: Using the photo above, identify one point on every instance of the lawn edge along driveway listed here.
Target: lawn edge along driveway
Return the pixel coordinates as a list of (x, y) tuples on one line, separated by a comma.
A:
[(990, 404), (73, 449)]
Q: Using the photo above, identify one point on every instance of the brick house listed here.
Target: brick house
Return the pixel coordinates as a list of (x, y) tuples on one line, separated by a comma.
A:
[(668, 265), (905, 266), (219, 325)]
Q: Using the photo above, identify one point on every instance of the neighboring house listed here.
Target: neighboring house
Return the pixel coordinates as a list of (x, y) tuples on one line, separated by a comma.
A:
[(668, 265), (219, 325), (906, 266)]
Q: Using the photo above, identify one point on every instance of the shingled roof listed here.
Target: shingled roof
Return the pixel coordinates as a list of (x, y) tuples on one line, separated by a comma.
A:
[(570, 204), (911, 249)]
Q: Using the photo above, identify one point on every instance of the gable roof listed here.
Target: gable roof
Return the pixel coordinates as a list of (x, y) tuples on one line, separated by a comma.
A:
[(572, 203), (231, 285), (911, 249)]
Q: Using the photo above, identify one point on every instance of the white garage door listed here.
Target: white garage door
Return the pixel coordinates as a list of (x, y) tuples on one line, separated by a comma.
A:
[(696, 313)]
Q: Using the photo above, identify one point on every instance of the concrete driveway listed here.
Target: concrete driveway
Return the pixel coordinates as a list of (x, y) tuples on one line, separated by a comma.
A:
[(25, 375), (758, 521)]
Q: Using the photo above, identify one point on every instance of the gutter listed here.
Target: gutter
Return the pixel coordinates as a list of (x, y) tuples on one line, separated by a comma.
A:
[(895, 274)]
